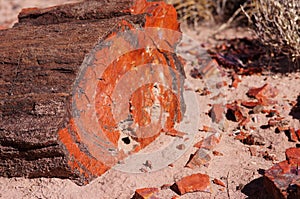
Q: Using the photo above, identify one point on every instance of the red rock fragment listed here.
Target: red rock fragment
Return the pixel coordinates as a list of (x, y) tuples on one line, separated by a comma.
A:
[(210, 69), (250, 139), (245, 121), (241, 136), (217, 113), (165, 186), (283, 128), (292, 135), (298, 134), (293, 155), (207, 129), (209, 142), (192, 183), (195, 73), (235, 80), (175, 133), (219, 182), (145, 193), (280, 123), (264, 94), (198, 144), (217, 153), (271, 112), (253, 151), (199, 158), (236, 113), (250, 104), (203, 92), (273, 122), (175, 197), (267, 156), (283, 179)]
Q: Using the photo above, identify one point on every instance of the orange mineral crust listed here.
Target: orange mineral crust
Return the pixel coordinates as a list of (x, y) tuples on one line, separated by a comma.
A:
[(93, 138)]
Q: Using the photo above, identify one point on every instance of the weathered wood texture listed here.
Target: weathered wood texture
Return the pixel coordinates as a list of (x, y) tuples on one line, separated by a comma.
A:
[(40, 58)]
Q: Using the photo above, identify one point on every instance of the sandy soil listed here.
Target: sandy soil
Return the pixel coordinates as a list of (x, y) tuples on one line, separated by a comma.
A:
[(236, 168)]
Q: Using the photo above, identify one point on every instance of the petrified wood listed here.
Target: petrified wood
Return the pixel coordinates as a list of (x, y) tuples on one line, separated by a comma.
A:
[(43, 62)]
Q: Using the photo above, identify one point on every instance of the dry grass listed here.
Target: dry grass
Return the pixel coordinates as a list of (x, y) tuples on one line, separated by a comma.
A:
[(197, 11), (277, 24)]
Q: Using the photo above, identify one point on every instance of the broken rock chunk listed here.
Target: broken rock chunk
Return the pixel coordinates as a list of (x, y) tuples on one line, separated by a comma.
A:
[(283, 179), (217, 113), (217, 153), (236, 113), (209, 142), (192, 183), (253, 151), (145, 193), (250, 139), (250, 104), (292, 134), (236, 79), (207, 129), (219, 182), (199, 158), (264, 94), (293, 155), (298, 134)]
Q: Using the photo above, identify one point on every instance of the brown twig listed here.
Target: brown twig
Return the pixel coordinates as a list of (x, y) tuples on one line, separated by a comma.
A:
[(227, 185)]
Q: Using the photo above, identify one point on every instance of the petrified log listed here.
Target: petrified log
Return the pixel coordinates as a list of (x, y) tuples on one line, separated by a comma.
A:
[(56, 64)]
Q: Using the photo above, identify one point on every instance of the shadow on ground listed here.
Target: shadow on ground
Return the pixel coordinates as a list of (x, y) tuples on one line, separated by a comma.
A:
[(255, 190)]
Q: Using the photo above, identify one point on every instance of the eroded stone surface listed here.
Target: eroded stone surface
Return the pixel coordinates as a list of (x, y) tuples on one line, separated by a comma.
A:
[(192, 183), (145, 193), (264, 94), (283, 179), (199, 158)]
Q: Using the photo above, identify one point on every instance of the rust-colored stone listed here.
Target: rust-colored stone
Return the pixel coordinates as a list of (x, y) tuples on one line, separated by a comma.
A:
[(219, 182), (192, 183), (283, 180), (175, 133), (264, 94), (250, 139), (253, 150), (292, 134), (298, 134), (53, 144), (199, 158), (271, 112), (207, 129), (217, 153), (250, 104), (235, 80), (217, 113), (145, 193), (209, 142), (236, 113), (165, 186), (293, 155), (203, 92)]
